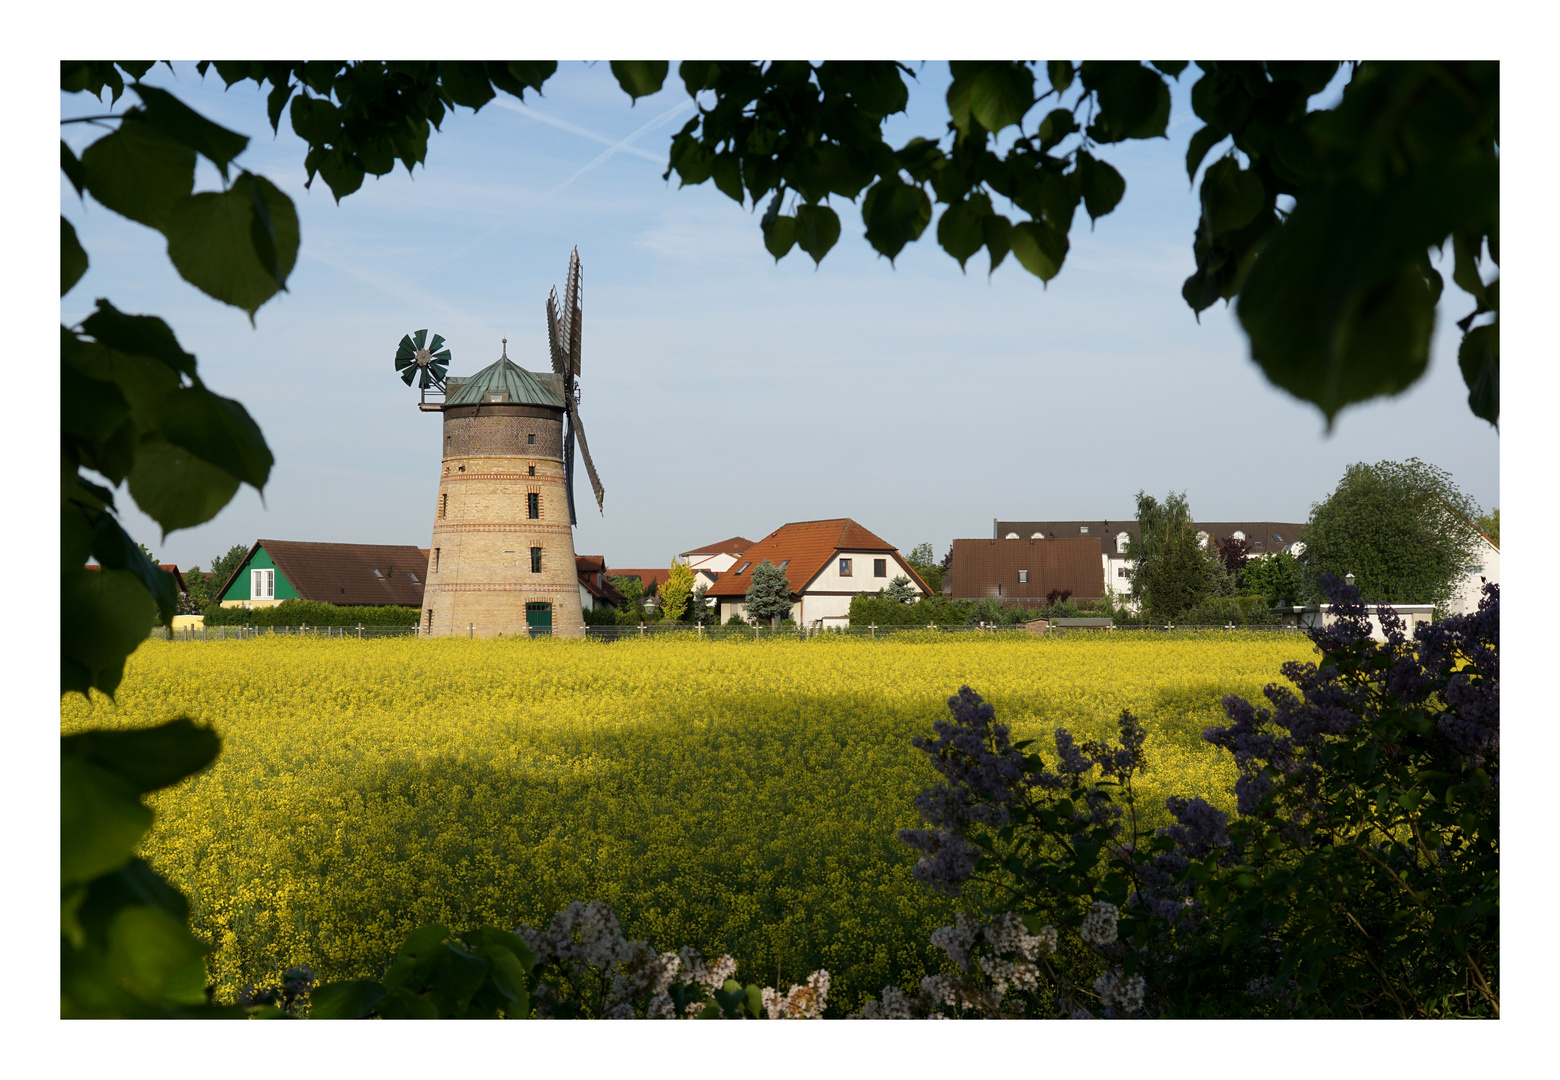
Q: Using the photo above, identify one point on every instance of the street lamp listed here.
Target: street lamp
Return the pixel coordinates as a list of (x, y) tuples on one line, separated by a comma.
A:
[(1348, 579)]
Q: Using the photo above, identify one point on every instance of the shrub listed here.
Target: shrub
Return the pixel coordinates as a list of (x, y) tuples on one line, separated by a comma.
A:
[(1360, 877)]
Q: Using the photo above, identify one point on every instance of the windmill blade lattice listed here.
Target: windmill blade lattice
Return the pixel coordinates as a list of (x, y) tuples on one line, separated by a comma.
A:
[(590, 467), (423, 360)]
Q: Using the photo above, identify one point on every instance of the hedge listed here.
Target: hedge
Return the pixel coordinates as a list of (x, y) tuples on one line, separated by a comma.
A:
[(311, 613)]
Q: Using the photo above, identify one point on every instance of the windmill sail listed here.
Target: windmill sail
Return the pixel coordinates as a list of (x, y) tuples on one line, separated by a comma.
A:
[(578, 433)]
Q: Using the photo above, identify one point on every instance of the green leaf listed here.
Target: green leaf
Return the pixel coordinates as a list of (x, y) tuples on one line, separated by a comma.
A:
[(211, 244), (640, 78), (315, 120), (691, 161), (101, 819), (1060, 72), (139, 172), (779, 234), (960, 230), (148, 758), (1172, 68), (998, 233), (895, 214), (1479, 358), (1001, 95), (351, 1000), (817, 230), (405, 1005), (176, 488), (457, 976), (70, 165), (184, 125), (1336, 307), (137, 335), (1206, 138), (1057, 125), (1039, 249), (1232, 197), (343, 172), (104, 615), (154, 956), (1134, 100), (1102, 185), (91, 410), (727, 171), (73, 259), (115, 550)]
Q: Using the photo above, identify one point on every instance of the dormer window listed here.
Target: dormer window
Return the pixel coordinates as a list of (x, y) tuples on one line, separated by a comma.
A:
[(495, 397), (1083, 528)]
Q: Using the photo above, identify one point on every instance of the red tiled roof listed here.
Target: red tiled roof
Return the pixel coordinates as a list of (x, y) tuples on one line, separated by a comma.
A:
[(736, 545), (647, 577), (809, 545), (592, 571), (178, 578)]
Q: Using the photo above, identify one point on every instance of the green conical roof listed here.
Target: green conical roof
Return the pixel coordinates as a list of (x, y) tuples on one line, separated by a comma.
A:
[(507, 377)]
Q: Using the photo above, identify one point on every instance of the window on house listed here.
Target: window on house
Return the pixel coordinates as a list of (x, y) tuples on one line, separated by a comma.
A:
[(999, 589), (444, 504), (262, 584), (1278, 537), (1023, 577), (880, 568), (743, 567), (533, 470), (844, 568), (430, 620), (536, 560), (1121, 571), (530, 440), (533, 505), (412, 576), (1083, 528), (435, 560), (784, 563), (376, 572)]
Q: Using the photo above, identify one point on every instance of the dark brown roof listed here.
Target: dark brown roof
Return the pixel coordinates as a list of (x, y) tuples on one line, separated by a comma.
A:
[(981, 566), (734, 546), (345, 573), (809, 545), (1273, 535), (592, 571)]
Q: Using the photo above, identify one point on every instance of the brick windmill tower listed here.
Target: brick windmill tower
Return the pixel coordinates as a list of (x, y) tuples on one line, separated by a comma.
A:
[(501, 561)]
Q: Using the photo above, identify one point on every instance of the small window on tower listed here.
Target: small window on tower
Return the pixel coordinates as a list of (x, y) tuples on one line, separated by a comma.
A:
[(533, 506), (435, 560), (533, 470), (530, 440), (536, 560), (444, 504), (430, 620)]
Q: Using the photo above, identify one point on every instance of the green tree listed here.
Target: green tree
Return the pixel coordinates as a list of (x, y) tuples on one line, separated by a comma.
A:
[(677, 593), (1489, 525), (1276, 578), (899, 591), (1403, 529), (222, 567), (923, 561), (769, 594), (703, 613)]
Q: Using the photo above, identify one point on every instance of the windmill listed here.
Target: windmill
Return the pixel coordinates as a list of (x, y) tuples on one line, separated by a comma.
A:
[(563, 341), (418, 358)]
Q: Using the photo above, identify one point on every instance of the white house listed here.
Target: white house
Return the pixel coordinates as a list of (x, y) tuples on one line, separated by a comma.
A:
[(1471, 588), (826, 563), (712, 560)]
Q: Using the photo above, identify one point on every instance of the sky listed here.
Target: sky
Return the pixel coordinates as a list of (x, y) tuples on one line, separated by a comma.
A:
[(726, 394)]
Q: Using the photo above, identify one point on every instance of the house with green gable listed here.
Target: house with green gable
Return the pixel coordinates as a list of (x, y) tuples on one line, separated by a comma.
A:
[(353, 575)]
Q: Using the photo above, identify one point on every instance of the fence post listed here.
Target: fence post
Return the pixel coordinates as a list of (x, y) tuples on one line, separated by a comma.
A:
[(872, 629), (641, 629), (360, 631), (701, 631), (471, 630), (931, 626)]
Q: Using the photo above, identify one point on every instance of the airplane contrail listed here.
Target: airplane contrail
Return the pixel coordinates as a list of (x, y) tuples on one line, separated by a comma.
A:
[(575, 129), (623, 145)]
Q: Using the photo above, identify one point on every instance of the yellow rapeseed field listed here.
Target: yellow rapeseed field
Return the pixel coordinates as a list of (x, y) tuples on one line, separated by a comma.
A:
[(738, 796)]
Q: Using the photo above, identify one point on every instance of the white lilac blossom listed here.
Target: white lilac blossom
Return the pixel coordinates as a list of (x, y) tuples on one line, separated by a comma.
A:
[(1099, 925), (1123, 994), (805, 1002)]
